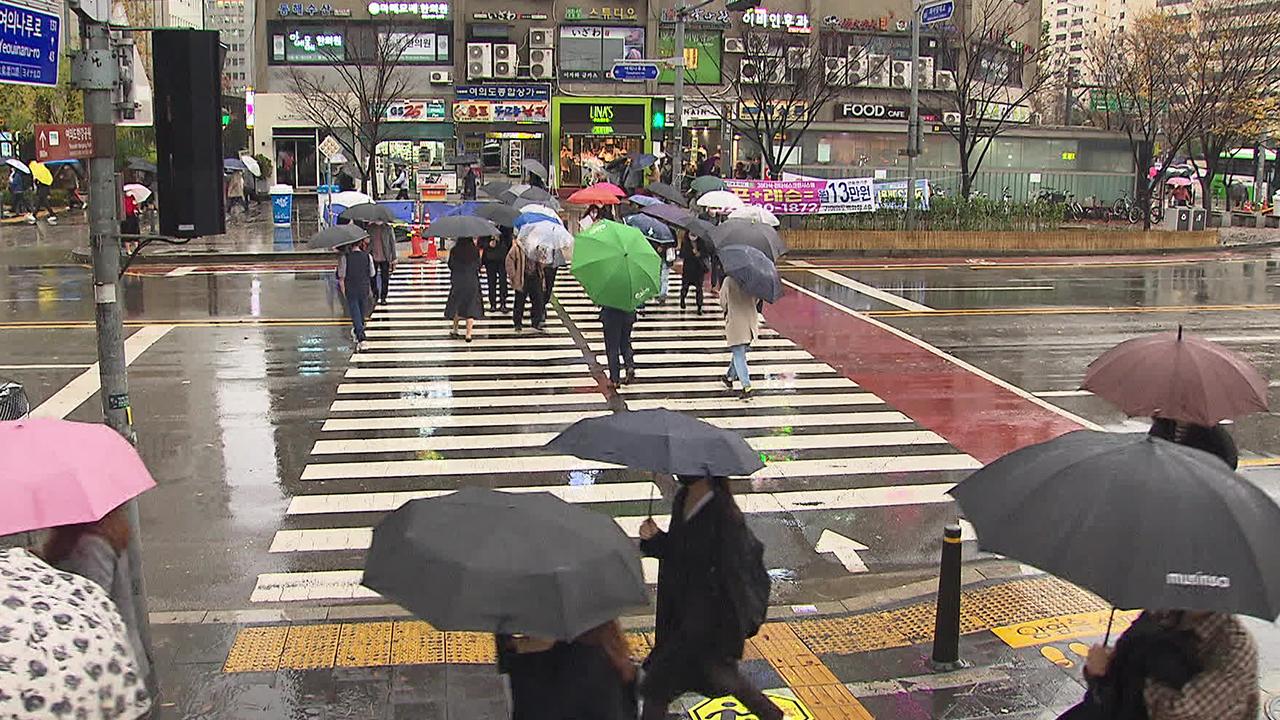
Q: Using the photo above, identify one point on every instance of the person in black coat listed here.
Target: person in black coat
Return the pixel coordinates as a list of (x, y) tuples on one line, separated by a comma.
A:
[(698, 634), (1213, 440), (495, 268), (590, 678), (692, 271)]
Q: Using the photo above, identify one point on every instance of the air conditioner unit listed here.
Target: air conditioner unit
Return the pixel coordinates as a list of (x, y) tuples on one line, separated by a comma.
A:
[(441, 77), (900, 74), (761, 44), (542, 64), (944, 80), (879, 71), (836, 70), (925, 64), (798, 57), (542, 38), (858, 67), (734, 45), (856, 50), (479, 60), (951, 119), (750, 72), (504, 60)]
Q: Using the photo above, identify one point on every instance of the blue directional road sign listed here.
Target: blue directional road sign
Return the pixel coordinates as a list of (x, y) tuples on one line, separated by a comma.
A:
[(634, 71), (28, 45), (937, 12)]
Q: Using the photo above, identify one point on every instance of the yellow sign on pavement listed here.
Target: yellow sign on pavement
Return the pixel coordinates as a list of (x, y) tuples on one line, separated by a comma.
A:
[(1064, 627), (728, 708)]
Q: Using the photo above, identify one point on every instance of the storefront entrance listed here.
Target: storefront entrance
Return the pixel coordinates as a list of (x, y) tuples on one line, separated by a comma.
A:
[(591, 133)]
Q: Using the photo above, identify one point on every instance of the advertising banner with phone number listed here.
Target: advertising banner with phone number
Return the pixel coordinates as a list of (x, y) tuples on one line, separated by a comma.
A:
[(824, 196)]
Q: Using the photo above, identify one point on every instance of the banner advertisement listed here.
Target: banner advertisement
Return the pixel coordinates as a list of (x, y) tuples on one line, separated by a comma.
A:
[(817, 196)]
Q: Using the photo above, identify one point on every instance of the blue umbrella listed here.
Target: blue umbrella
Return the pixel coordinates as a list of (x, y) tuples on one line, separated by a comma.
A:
[(233, 164), (652, 228), (753, 270), (644, 160), (533, 217), (645, 200)]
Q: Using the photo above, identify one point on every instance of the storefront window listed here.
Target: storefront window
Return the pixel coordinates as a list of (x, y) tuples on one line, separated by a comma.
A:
[(584, 160), (321, 45), (588, 52), (702, 55), (417, 48), (296, 159), (592, 135)]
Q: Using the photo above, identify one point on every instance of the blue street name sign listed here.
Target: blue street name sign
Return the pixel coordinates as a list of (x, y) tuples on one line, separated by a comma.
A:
[(28, 45), (937, 12), (634, 71)]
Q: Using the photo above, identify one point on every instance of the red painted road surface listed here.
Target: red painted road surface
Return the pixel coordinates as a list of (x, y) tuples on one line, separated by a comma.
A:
[(980, 417)]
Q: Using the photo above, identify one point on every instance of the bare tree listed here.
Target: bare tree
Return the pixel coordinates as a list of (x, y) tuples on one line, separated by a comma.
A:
[(349, 97), (997, 77), (776, 91)]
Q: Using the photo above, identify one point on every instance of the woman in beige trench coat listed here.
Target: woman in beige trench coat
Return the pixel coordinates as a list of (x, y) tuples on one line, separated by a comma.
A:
[(741, 327)]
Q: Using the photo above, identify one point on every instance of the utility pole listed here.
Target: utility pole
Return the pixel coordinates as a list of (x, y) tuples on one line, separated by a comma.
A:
[(96, 71), (682, 17), (913, 118)]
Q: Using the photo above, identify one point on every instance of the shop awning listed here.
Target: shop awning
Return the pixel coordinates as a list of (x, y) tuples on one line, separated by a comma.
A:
[(417, 131)]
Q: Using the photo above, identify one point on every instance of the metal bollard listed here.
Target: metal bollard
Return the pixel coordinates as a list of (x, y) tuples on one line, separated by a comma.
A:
[(946, 627)]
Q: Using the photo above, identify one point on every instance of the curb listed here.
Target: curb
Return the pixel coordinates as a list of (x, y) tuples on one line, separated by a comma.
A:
[(84, 255)]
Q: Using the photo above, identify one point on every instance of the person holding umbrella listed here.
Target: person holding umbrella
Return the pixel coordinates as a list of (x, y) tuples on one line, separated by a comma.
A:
[(355, 279), (692, 270), (18, 191), (235, 193), (741, 328), (526, 281), (43, 179), (591, 676), (464, 286), (619, 270), (382, 248), (495, 267)]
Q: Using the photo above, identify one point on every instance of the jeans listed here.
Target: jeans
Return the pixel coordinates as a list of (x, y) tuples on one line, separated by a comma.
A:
[(384, 281), (617, 340), (738, 365), (357, 307), (664, 284), (497, 274)]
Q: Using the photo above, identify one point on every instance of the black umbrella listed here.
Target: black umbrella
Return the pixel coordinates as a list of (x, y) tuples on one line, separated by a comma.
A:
[(643, 160), (465, 159), (700, 228), (753, 270), (1140, 521), (458, 226), (660, 441), (498, 213), (534, 167), (651, 227), (758, 235), (495, 188), (369, 212), (666, 192), (142, 164), (536, 195), (670, 214), (337, 236), (509, 563)]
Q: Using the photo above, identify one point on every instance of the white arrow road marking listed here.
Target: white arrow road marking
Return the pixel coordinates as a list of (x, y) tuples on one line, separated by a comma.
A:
[(845, 550)]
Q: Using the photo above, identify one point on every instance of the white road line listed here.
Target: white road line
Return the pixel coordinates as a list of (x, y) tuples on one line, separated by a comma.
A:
[(747, 422), (180, 271), (428, 357), (713, 343), (641, 333), (456, 466), (871, 292), (84, 385), (388, 501), (1063, 393), (431, 444), (999, 288), (442, 333), (712, 357), (414, 422), (794, 469), (759, 401), (787, 383), (480, 343), (482, 401), (948, 357), (763, 369), (53, 366), (442, 387), (462, 371)]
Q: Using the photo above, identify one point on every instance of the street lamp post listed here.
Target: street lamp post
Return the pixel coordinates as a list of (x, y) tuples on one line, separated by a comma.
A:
[(913, 119)]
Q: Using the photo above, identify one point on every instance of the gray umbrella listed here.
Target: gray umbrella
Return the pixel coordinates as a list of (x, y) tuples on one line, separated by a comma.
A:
[(337, 236), (521, 202), (643, 160), (369, 212), (498, 213), (497, 562), (465, 159), (669, 213), (753, 270), (534, 167), (758, 235), (653, 228), (495, 188), (700, 229), (666, 192), (458, 226), (660, 441), (536, 194), (1138, 520)]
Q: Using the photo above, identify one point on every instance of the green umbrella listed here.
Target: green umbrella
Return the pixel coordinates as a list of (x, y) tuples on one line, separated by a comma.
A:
[(705, 184), (616, 265)]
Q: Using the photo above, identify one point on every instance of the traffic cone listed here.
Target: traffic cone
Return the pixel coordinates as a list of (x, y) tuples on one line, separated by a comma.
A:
[(416, 240), (431, 249)]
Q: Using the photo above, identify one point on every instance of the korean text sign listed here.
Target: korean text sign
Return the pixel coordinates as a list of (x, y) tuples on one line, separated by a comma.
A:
[(28, 46)]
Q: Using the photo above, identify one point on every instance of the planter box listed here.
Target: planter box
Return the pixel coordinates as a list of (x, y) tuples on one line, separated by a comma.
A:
[(997, 242)]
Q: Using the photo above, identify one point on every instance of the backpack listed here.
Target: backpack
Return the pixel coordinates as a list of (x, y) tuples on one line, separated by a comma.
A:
[(749, 591)]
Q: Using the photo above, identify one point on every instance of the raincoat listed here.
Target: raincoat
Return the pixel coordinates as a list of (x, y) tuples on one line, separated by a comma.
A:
[(741, 321)]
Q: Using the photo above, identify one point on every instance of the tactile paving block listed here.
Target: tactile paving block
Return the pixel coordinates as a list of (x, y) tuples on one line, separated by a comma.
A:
[(416, 643), (256, 649), (364, 645), (470, 648), (310, 646)]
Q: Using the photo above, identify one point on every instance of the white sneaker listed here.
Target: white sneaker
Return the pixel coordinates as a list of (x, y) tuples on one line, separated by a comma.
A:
[(51, 220), (31, 219)]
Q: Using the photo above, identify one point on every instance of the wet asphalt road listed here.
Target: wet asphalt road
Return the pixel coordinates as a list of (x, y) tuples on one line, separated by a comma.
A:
[(230, 399)]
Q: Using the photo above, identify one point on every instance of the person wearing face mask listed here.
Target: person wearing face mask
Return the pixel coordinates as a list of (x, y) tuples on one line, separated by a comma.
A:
[(589, 217)]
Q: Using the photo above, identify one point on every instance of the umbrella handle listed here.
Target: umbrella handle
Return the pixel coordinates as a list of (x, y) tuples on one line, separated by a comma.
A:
[(1107, 638), (650, 501)]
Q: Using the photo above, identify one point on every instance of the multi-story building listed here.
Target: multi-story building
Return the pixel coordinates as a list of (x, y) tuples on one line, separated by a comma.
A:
[(235, 22), (514, 79)]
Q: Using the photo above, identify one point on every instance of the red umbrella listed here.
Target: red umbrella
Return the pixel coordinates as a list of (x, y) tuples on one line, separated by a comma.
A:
[(1179, 377), (610, 188), (593, 196)]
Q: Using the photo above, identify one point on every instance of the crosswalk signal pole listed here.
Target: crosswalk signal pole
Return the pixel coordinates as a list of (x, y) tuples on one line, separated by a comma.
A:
[(913, 119)]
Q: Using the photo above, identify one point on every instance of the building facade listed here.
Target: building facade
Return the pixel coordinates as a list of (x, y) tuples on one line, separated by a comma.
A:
[(235, 22), (516, 79)]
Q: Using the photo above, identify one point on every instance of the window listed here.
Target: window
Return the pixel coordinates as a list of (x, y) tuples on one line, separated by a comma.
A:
[(309, 45), (421, 47), (587, 52), (1076, 47), (1077, 35), (1076, 60), (1061, 37), (702, 55), (1121, 16), (1062, 23), (1061, 11), (1077, 21)]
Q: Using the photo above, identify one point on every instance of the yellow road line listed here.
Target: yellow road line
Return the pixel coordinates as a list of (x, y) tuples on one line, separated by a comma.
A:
[(1072, 310), (1259, 462), (981, 265)]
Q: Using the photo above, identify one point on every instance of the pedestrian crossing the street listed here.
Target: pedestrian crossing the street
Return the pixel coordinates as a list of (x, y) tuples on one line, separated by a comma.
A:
[(419, 414)]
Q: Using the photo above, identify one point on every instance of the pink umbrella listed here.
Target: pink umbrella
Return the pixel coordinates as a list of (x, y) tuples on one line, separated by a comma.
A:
[(609, 187), (1179, 182), (58, 472)]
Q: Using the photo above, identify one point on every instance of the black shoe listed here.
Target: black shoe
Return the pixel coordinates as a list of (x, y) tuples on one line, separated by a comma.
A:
[(748, 392), (728, 381), (631, 376)]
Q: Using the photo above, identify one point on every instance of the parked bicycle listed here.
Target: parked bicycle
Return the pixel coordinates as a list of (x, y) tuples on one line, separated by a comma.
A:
[(1125, 208)]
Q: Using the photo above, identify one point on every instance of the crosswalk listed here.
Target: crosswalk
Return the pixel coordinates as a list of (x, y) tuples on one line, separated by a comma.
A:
[(419, 414)]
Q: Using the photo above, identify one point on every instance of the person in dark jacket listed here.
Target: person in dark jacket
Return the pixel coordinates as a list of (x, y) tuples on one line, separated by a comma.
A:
[(698, 634), (355, 280), (617, 341), (464, 301), (495, 268), (692, 271), (469, 183), (590, 678), (1213, 440)]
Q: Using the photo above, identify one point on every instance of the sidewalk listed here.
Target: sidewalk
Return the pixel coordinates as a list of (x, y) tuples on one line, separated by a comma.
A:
[(1023, 641)]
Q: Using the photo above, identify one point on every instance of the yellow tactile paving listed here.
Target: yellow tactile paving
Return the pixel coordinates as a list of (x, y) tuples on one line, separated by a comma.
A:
[(805, 674), (416, 643), (310, 646), (469, 648), (638, 646), (364, 645), (256, 648)]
